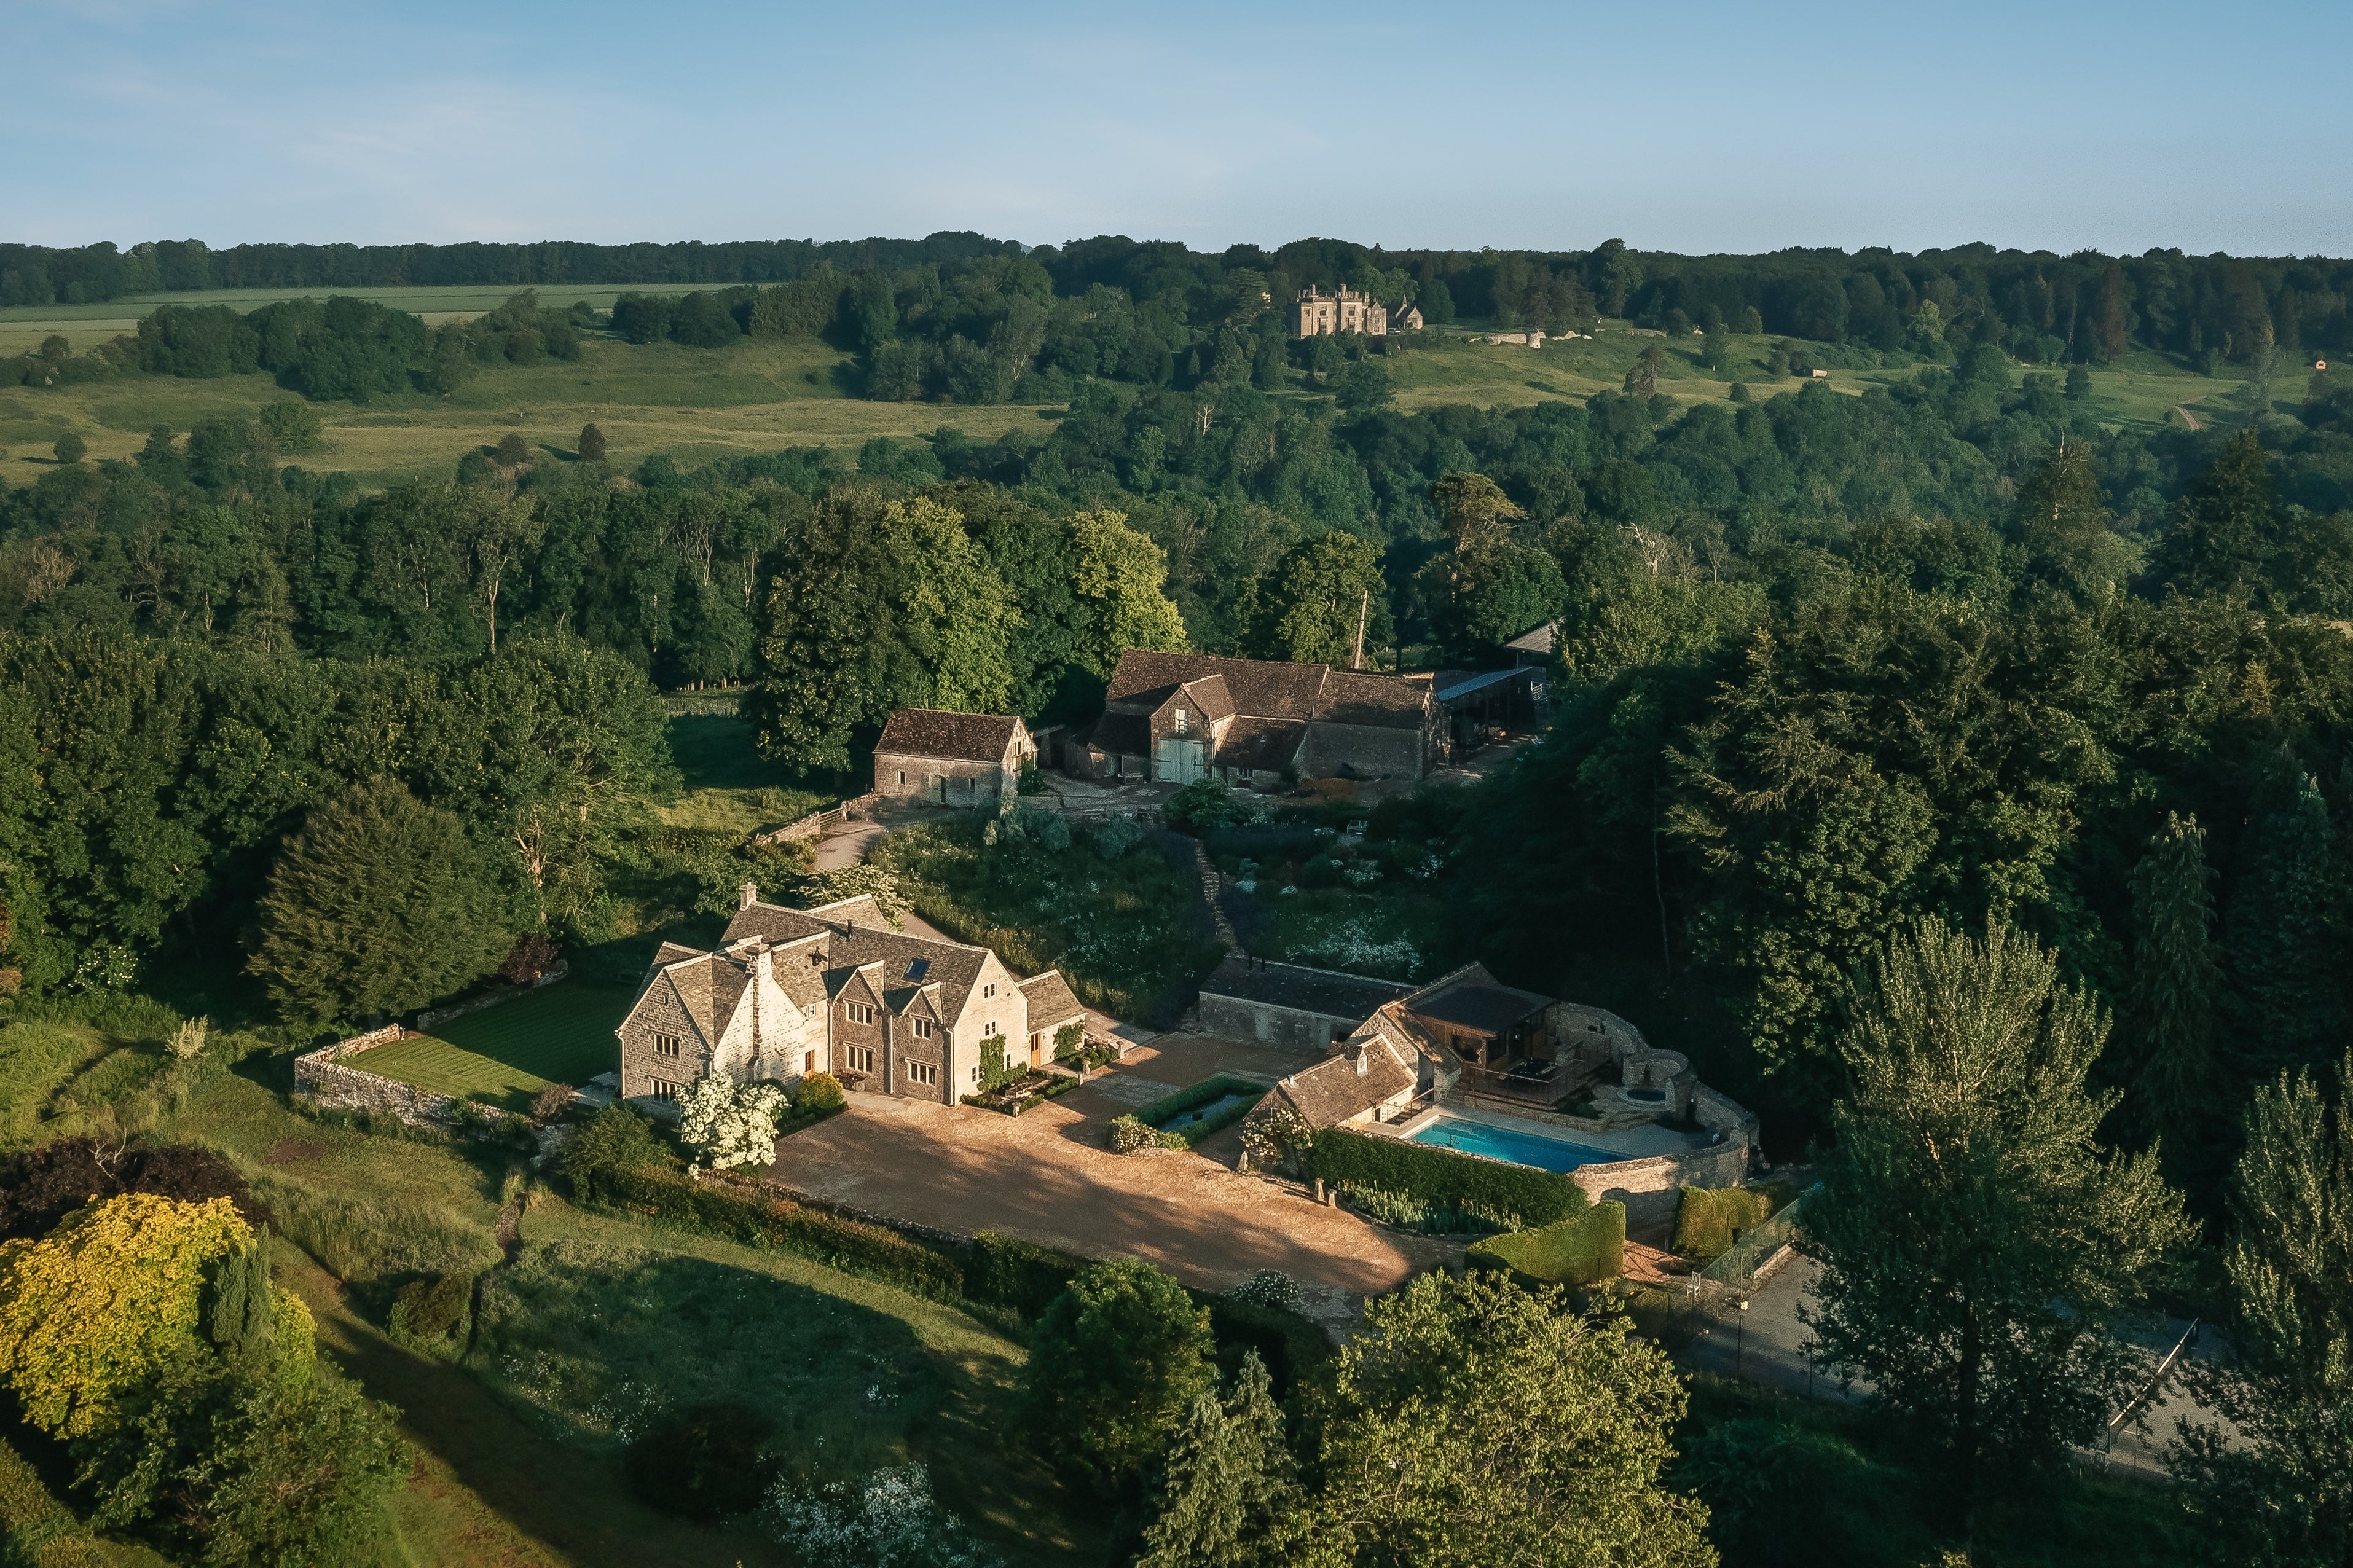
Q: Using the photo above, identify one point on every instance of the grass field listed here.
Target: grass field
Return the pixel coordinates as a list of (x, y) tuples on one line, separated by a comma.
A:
[(24, 326), (730, 787), (2140, 390), (502, 1055), (695, 404), (701, 404)]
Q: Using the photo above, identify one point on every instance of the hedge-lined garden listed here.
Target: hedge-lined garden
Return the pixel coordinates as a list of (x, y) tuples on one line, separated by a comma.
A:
[(1708, 1220), (1581, 1251), (1439, 1178)]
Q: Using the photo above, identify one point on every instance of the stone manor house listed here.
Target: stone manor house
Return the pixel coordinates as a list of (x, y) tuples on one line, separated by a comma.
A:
[(1322, 315), (834, 989)]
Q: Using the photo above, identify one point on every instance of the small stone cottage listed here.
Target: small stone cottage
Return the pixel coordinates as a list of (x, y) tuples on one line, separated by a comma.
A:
[(836, 990), (952, 759)]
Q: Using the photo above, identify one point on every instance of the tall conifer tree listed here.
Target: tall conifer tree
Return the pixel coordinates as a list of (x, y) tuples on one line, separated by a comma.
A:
[(1230, 1479), (2176, 991), (2279, 1491), (2288, 935)]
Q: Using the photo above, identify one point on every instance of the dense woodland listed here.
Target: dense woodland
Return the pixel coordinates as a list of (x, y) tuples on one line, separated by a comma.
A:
[(959, 318), (1867, 709)]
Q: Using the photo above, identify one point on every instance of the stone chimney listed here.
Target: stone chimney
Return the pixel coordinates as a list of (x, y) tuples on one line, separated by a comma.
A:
[(747, 895)]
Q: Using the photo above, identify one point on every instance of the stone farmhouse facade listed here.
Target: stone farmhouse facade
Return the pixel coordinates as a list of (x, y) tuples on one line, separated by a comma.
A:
[(1177, 717), (1322, 315), (952, 759), (791, 992)]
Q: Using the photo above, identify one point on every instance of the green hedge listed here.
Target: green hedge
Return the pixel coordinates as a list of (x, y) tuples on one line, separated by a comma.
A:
[(1213, 1088), (1019, 1276), (1581, 1251), (734, 1213), (1708, 1220), (1449, 1180)]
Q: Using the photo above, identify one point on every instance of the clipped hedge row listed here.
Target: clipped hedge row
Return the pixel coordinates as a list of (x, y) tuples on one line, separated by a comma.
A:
[(1019, 1276), (1449, 1180), (1214, 1087), (755, 1219), (1708, 1220), (1581, 1251)]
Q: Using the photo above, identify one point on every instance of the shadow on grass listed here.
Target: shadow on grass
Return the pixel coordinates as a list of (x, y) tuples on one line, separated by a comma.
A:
[(573, 1504)]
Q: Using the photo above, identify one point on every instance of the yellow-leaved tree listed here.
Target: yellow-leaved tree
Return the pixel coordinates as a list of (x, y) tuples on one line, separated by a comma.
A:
[(96, 1309)]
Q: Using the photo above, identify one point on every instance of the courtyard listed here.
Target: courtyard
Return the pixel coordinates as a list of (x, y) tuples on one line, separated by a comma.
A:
[(1045, 1176)]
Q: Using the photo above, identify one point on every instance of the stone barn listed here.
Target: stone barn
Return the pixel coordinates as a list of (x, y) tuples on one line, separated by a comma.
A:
[(952, 759), (1288, 1004)]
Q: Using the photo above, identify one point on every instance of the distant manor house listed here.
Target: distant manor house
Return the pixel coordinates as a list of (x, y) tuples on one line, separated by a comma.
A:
[(1327, 315)]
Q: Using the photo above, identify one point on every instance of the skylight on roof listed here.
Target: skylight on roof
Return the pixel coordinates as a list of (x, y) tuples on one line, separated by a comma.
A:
[(918, 967)]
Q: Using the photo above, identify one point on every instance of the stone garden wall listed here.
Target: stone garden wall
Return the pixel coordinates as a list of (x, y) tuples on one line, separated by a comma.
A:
[(322, 1075), (1648, 1188)]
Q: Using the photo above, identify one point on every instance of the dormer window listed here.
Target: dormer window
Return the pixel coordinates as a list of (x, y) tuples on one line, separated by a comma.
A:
[(860, 1013), (922, 1027), (665, 1044)]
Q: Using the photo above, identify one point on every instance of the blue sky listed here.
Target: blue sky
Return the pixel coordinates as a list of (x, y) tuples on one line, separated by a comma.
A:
[(1676, 126)]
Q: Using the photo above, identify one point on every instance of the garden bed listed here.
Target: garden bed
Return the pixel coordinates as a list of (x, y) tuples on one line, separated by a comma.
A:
[(1192, 1115), (1032, 1088), (1129, 932)]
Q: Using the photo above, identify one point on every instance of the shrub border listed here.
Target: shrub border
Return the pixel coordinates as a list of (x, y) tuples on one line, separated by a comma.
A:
[(1443, 1177)]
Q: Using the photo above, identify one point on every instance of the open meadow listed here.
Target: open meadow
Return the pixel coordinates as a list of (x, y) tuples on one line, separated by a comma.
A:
[(693, 405), (700, 405)]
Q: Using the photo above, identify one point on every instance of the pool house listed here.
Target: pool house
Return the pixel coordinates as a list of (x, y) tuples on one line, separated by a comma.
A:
[(1489, 1072)]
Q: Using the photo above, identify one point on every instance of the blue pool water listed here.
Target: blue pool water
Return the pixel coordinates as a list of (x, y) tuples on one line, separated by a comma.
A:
[(1520, 1148)]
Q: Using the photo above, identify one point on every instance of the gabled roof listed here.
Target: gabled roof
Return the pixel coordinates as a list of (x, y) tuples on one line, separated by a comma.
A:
[(1348, 1084), (1051, 1002), (855, 935), (1321, 990), (1209, 695), (950, 737), (1263, 688), (1260, 687)]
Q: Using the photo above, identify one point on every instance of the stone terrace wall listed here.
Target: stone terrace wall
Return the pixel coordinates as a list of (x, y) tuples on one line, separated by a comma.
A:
[(322, 1075), (433, 1015), (1650, 1188)]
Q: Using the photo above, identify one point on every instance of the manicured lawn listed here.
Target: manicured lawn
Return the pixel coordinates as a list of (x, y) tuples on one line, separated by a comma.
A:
[(505, 1055)]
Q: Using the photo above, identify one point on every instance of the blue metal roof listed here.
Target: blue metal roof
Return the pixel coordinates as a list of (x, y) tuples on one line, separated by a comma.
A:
[(1479, 683)]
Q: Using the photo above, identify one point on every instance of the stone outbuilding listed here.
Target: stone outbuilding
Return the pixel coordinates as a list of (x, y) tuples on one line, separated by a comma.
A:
[(1174, 718), (1247, 998), (952, 759)]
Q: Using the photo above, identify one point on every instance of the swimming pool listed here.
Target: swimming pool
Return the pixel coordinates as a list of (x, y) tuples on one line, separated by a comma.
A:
[(1504, 1144)]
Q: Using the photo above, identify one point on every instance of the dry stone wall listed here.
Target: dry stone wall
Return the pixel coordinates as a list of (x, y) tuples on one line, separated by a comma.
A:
[(322, 1075)]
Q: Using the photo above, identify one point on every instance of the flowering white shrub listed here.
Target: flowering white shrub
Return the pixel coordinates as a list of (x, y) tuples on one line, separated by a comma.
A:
[(889, 1520), (730, 1125), (1268, 1288), (1276, 1135)]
